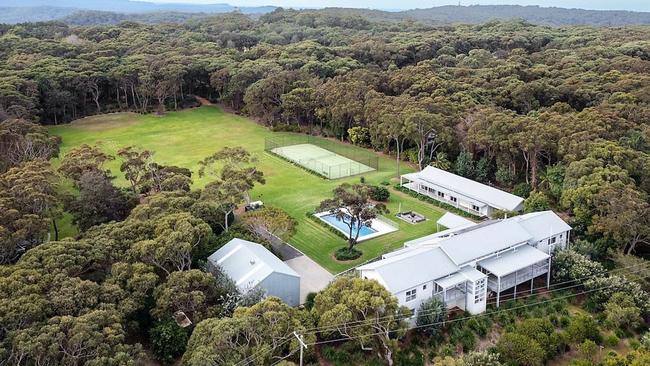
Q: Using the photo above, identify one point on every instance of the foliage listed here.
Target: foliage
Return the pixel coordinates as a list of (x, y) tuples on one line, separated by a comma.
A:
[(84, 159), (430, 316), (622, 313), (347, 254), (23, 141), (270, 220), (536, 201), (518, 349), (379, 193), (255, 333), (235, 179), (348, 300), (359, 136), (193, 292), (168, 340), (351, 206), (27, 200), (98, 201)]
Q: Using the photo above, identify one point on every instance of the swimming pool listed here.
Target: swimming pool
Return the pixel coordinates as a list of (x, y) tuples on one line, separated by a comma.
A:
[(343, 226)]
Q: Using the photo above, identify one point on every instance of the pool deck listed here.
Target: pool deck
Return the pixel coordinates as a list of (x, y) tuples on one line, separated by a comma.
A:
[(380, 226)]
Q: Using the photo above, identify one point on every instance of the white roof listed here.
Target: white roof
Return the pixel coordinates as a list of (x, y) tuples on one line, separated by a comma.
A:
[(451, 221), (248, 263), (542, 225), (484, 239), (512, 261), (409, 269), (469, 188)]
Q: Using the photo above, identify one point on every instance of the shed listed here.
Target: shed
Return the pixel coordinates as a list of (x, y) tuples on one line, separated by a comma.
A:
[(251, 265)]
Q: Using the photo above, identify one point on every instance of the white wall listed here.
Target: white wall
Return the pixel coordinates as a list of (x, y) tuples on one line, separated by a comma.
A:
[(546, 245)]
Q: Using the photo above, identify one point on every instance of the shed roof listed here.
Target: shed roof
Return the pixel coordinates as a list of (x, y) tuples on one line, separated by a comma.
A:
[(451, 221), (512, 261), (469, 188), (248, 263), (404, 271), (484, 240)]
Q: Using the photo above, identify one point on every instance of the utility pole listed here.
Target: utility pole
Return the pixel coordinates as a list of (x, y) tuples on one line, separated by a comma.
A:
[(302, 345)]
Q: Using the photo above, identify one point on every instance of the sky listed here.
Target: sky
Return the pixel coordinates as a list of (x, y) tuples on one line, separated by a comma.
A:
[(634, 5)]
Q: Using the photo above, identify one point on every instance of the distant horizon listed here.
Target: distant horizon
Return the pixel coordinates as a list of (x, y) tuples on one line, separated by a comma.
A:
[(629, 5)]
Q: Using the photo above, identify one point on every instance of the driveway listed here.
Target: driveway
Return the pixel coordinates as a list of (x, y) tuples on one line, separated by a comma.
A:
[(313, 277)]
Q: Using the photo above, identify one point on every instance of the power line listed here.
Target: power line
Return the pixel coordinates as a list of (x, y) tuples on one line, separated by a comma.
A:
[(469, 317), (360, 323), (334, 326)]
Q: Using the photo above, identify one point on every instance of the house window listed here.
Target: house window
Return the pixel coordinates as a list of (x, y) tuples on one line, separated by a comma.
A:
[(453, 199), (479, 291), (424, 287), (410, 295), (475, 208), (440, 194), (552, 240)]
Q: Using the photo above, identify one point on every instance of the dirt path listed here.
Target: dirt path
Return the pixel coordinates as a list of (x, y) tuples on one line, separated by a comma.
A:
[(203, 101)]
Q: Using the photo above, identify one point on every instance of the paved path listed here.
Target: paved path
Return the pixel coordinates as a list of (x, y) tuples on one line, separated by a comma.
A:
[(313, 277)]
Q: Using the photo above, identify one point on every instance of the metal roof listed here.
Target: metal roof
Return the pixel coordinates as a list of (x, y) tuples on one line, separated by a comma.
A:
[(248, 263), (404, 271), (514, 260), (469, 188), (451, 221), (484, 240), (542, 224)]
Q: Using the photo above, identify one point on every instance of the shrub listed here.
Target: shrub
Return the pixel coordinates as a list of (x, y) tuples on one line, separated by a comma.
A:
[(409, 357), (336, 355), (431, 313), (621, 313), (283, 127), (522, 190), (379, 193), (611, 340), (584, 327), (481, 359), (536, 201), (168, 341), (359, 136), (347, 254), (569, 265), (539, 330), (309, 301), (519, 350)]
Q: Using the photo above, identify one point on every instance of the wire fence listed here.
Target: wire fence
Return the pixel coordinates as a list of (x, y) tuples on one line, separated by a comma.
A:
[(338, 161)]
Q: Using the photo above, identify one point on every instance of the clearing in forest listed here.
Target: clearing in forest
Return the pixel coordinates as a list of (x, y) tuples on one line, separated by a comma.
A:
[(185, 137)]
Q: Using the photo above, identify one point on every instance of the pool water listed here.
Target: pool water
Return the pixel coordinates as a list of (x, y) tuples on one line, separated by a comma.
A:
[(342, 226)]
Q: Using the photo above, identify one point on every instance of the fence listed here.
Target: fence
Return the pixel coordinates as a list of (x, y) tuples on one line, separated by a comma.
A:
[(329, 166)]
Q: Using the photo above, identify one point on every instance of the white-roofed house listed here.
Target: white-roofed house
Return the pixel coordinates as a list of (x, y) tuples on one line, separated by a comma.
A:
[(251, 265), (468, 195), (460, 265)]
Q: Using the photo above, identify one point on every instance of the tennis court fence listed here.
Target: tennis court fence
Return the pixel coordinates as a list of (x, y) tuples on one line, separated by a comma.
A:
[(358, 161)]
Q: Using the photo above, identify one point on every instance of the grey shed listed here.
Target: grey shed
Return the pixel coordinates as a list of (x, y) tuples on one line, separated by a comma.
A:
[(251, 265)]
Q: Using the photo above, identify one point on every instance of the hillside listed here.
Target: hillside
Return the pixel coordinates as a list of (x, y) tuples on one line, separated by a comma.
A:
[(77, 12)]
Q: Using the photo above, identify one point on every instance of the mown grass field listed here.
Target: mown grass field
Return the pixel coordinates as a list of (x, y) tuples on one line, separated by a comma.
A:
[(184, 138)]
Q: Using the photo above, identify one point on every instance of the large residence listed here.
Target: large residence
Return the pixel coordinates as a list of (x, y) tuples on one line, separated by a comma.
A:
[(251, 266), (460, 265), (468, 195)]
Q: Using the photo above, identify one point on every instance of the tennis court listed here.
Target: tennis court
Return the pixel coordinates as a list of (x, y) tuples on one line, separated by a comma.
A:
[(324, 162)]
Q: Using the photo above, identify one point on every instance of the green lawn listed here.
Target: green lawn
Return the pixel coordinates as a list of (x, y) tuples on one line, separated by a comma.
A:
[(184, 138)]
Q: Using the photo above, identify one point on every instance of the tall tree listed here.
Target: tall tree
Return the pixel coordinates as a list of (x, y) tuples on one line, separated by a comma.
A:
[(351, 205), (364, 311)]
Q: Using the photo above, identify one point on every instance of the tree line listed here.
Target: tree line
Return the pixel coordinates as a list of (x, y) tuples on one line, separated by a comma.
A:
[(556, 113)]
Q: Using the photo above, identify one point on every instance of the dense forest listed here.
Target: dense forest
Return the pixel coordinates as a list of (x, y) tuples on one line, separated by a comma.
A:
[(94, 13), (557, 115)]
